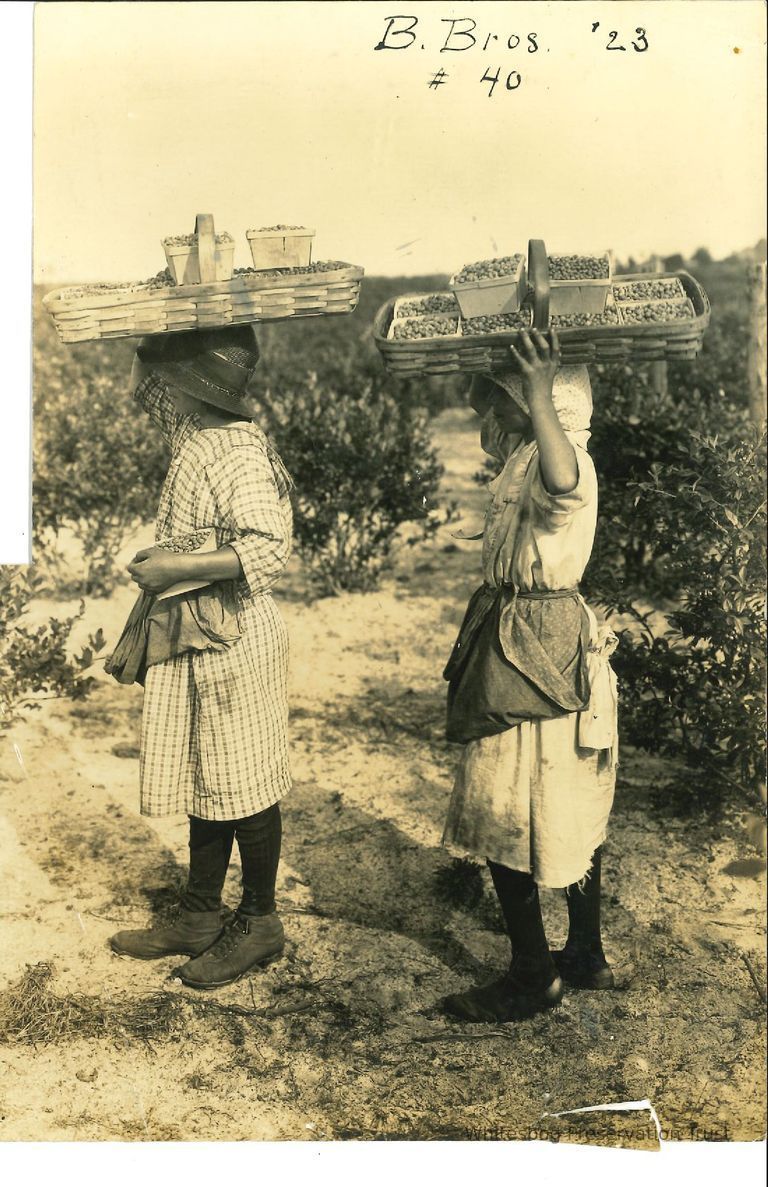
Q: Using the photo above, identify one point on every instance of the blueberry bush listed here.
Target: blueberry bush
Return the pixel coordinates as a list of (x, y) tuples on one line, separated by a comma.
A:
[(364, 467), (682, 528), (34, 658)]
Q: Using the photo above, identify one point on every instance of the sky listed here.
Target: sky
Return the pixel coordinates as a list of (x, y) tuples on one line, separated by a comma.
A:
[(148, 113)]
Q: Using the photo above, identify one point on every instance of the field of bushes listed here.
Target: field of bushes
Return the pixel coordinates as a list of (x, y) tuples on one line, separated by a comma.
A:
[(682, 515), (341, 1039)]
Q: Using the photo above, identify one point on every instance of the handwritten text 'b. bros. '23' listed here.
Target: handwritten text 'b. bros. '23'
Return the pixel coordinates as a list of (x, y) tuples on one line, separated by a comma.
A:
[(460, 34)]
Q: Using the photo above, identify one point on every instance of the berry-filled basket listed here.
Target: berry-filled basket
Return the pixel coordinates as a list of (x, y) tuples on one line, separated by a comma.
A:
[(666, 323), (158, 306)]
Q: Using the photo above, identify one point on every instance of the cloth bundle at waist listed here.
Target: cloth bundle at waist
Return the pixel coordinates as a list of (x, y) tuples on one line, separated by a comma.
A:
[(519, 656), (158, 629)]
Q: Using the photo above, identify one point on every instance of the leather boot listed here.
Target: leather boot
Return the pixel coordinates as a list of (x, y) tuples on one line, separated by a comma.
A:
[(505, 1000), (188, 935), (247, 941), (584, 969)]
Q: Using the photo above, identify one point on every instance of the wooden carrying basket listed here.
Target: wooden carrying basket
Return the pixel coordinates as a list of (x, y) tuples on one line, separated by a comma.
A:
[(133, 310), (615, 343)]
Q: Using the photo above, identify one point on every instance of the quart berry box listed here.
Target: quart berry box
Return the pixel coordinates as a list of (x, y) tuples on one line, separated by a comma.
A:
[(182, 253), (489, 295), (577, 291), (650, 289), (425, 327), (280, 247), (425, 304)]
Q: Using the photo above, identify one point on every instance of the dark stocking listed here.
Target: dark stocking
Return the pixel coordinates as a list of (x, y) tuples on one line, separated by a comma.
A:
[(518, 895), (258, 839), (532, 983), (584, 913), (210, 848)]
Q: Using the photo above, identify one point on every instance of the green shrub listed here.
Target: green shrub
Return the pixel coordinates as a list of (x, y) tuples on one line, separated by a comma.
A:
[(99, 469), (633, 429), (98, 463), (682, 527), (33, 658), (696, 687), (363, 466)]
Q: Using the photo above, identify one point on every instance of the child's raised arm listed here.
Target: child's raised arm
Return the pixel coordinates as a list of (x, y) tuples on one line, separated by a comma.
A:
[(539, 362)]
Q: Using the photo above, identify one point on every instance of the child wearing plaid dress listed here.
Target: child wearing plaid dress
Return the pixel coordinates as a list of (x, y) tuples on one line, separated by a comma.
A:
[(532, 696), (214, 666)]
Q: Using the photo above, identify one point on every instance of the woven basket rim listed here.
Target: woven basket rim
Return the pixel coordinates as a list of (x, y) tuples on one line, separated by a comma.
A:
[(244, 282), (680, 328), (680, 338), (330, 294)]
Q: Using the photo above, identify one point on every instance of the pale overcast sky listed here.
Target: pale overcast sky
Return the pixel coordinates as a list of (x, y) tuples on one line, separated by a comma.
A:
[(147, 113)]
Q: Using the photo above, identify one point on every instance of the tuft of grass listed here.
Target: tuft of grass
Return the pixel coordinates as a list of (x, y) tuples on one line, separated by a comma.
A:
[(31, 1013), (460, 883)]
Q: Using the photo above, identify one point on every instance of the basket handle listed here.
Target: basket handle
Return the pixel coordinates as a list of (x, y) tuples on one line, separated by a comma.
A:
[(538, 277), (206, 247)]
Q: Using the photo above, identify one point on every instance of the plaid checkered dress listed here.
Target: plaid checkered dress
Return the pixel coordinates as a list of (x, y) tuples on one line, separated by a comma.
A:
[(214, 727)]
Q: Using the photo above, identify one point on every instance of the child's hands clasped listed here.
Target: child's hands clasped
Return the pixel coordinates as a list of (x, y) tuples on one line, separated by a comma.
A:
[(538, 361), (154, 569)]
